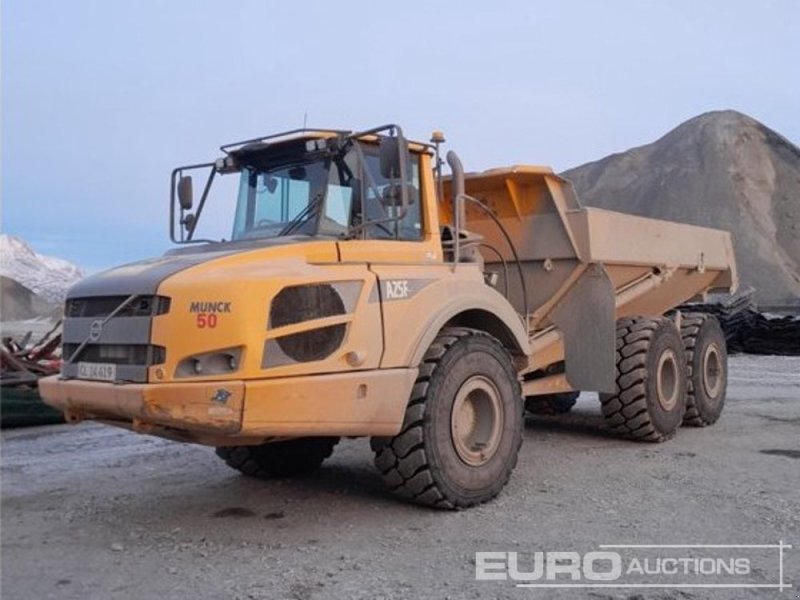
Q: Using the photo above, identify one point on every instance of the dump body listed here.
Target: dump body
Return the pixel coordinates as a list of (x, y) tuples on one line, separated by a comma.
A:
[(584, 268)]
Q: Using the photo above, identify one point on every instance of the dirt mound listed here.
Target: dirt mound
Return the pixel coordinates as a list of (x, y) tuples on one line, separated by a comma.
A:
[(18, 302), (721, 169)]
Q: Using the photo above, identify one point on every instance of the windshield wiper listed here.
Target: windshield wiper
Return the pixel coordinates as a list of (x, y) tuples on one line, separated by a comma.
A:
[(302, 217)]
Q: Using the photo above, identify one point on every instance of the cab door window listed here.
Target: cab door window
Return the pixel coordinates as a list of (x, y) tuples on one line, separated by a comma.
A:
[(380, 202)]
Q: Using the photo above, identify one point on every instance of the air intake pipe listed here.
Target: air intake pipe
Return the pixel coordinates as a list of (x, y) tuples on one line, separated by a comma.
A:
[(459, 215), (459, 212)]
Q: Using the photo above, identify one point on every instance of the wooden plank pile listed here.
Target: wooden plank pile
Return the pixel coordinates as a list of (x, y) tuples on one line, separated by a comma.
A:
[(22, 364)]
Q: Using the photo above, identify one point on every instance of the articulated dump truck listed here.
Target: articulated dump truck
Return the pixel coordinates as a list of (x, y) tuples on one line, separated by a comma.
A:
[(365, 293)]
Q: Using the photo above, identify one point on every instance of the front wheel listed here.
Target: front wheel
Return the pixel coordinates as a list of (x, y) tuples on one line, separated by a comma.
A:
[(279, 459), (463, 425)]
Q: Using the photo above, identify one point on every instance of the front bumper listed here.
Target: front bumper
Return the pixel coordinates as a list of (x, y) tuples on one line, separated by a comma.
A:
[(341, 404)]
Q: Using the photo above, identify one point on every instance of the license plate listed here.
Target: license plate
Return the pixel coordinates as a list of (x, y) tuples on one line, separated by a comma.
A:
[(98, 371)]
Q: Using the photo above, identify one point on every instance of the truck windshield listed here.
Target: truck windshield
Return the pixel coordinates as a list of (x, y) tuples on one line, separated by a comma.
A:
[(287, 201), (322, 196)]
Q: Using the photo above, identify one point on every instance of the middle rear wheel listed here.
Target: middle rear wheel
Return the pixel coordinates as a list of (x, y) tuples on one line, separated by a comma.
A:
[(707, 361), (551, 404), (649, 401)]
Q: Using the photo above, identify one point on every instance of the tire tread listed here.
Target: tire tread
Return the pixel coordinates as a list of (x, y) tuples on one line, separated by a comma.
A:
[(626, 411), (402, 460), (278, 459)]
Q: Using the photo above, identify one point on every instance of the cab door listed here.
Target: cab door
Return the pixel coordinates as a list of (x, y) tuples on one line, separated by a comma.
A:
[(415, 238), (404, 255)]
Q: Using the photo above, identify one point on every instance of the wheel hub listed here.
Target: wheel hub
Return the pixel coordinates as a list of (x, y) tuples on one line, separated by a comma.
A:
[(476, 421), (712, 371), (667, 379)]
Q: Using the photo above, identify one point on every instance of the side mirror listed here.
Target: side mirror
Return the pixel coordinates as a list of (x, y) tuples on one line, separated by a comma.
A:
[(393, 151), (188, 221), (270, 182), (185, 192), (392, 195)]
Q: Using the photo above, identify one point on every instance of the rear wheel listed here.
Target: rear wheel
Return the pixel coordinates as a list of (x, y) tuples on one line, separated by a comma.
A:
[(707, 367), (551, 404), (279, 459), (463, 425), (649, 401)]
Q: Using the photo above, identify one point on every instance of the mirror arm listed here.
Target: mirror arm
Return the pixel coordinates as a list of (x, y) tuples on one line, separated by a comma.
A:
[(200, 206), (173, 179)]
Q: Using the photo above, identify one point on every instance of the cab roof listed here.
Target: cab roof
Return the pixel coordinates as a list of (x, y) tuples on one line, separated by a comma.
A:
[(304, 134)]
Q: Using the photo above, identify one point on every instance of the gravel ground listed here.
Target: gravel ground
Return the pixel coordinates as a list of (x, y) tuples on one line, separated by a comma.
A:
[(95, 512)]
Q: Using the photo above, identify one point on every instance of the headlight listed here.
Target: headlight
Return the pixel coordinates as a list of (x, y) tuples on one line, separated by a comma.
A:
[(217, 362)]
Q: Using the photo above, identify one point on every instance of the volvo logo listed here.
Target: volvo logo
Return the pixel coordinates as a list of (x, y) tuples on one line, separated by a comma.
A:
[(221, 396), (95, 330)]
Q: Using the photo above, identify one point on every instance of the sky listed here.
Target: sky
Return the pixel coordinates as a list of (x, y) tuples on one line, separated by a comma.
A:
[(102, 99)]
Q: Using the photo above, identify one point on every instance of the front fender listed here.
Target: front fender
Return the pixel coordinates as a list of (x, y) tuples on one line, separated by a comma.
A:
[(411, 324), (493, 312)]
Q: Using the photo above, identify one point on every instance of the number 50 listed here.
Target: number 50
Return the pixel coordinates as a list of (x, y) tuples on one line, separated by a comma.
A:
[(206, 320)]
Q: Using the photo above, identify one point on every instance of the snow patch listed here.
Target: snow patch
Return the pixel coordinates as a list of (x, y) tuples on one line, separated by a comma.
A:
[(48, 276)]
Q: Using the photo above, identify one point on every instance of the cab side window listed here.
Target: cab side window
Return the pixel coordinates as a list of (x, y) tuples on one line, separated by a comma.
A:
[(338, 208), (380, 201)]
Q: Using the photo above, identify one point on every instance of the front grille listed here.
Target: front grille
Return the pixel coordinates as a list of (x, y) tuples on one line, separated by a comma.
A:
[(102, 306), (122, 339), (118, 354)]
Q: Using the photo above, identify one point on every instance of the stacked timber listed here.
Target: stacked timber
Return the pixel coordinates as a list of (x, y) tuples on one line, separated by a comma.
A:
[(22, 364)]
